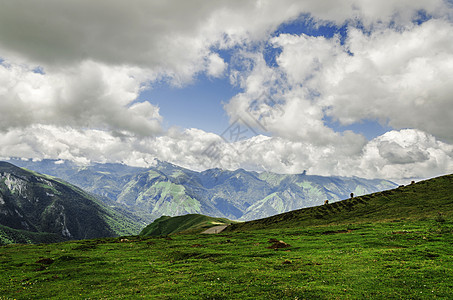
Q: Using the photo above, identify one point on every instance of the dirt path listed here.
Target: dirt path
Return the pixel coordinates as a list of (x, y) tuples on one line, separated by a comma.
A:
[(215, 229)]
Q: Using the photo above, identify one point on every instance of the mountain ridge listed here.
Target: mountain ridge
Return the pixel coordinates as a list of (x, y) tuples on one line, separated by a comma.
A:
[(167, 189)]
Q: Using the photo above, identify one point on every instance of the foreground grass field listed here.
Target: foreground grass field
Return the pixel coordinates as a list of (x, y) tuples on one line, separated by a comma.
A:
[(394, 244), (410, 259)]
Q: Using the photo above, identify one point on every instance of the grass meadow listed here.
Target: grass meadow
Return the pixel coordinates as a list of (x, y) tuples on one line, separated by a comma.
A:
[(404, 259)]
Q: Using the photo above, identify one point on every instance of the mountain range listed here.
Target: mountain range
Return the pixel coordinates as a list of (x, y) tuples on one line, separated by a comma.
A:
[(170, 190)]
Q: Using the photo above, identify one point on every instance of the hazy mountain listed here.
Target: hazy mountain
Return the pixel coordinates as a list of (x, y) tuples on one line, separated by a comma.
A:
[(101, 179), (40, 204), (167, 189)]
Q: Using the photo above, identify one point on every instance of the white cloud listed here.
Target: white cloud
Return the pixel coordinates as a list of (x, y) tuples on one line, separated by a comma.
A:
[(394, 155), (89, 95), (168, 36), (400, 77), (97, 56), (405, 154), (276, 100), (216, 65), (403, 77)]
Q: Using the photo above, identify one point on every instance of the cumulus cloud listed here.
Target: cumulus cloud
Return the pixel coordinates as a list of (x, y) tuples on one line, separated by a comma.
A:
[(277, 100), (400, 77), (397, 74), (90, 95), (405, 154), (169, 37)]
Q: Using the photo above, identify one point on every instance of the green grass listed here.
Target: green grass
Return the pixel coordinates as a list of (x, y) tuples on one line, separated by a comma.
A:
[(391, 245), (191, 223), (403, 259)]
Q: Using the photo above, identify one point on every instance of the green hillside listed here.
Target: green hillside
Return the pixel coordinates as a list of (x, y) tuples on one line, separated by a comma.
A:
[(191, 223), (425, 199), (35, 207), (390, 245)]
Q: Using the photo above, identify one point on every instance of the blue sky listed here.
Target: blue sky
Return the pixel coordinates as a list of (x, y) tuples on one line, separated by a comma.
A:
[(349, 88), (199, 104)]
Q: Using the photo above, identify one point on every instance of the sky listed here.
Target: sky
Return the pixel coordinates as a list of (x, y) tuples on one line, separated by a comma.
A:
[(347, 88)]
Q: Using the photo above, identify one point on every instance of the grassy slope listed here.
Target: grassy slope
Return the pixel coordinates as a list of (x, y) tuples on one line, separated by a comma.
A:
[(191, 223), (425, 199), (406, 255)]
